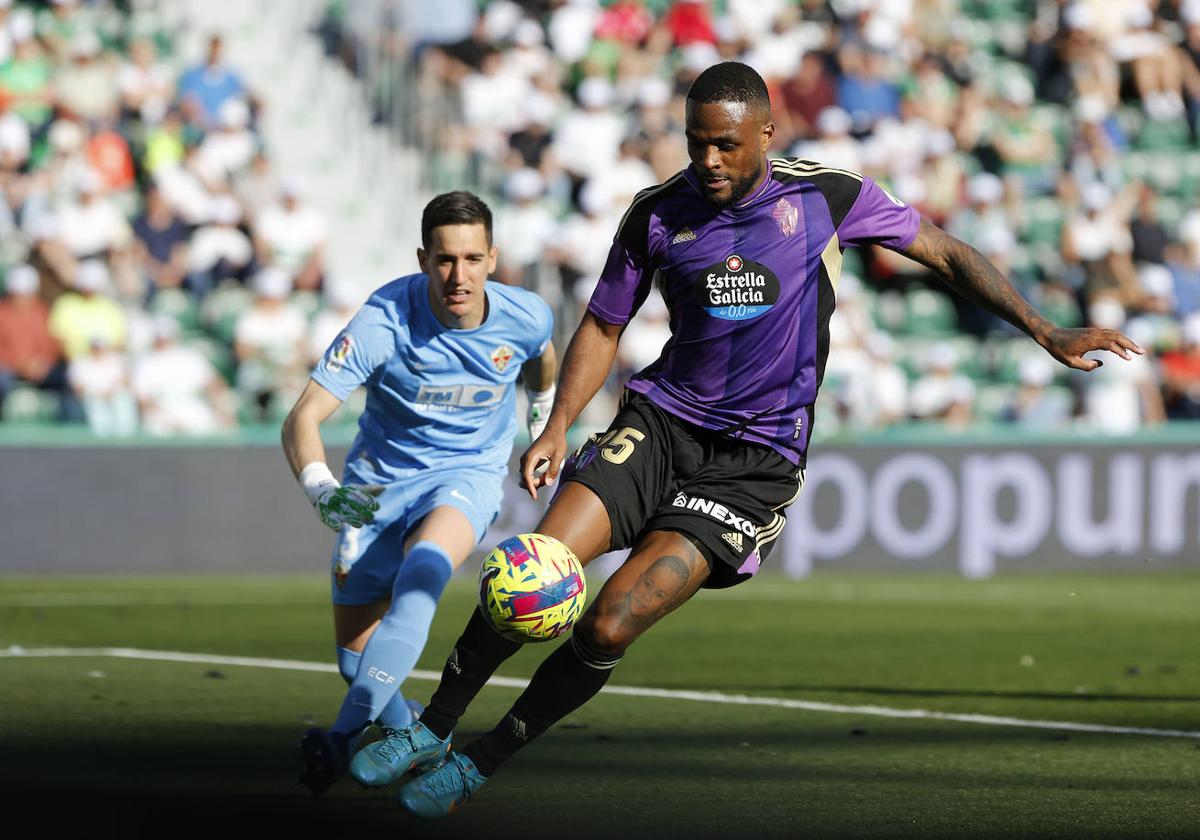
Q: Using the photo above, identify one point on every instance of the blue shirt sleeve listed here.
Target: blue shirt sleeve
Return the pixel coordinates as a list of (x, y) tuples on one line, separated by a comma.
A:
[(367, 342)]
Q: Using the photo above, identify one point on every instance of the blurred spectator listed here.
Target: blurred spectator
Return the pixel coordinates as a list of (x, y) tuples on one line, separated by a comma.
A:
[(28, 352), (1150, 237), (161, 243), (1036, 406), (1023, 141), (587, 140), (219, 250), (178, 390), (1099, 241), (206, 87), (290, 235), (79, 317), (147, 85), (881, 399), (269, 344), (257, 187), (689, 22), (526, 227), (58, 25), (86, 89), (230, 146), (26, 78), (534, 138), (1121, 398), (984, 213), (865, 90), (582, 244), (1184, 262), (834, 146), (942, 394), (1154, 63), (806, 95), (93, 227), (1181, 374), (100, 381)]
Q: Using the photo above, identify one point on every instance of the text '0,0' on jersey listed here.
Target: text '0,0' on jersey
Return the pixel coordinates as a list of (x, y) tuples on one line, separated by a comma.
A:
[(435, 396), (750, 289)]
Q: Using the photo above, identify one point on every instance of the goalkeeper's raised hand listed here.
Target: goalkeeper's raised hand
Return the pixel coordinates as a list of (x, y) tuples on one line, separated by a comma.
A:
[(339, 504)]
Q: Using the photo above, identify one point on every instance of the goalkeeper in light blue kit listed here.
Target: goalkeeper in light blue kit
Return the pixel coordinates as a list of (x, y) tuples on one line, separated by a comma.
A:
[(439, 353)]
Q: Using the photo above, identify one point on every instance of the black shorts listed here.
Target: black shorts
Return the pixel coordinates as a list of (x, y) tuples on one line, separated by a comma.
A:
[(655, 472)]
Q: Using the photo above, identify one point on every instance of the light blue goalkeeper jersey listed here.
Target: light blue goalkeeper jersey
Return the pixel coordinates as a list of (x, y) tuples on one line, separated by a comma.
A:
[(435, 396)]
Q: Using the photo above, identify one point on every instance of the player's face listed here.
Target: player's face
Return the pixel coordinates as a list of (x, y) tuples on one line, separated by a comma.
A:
[(727, 142), (458, 263)]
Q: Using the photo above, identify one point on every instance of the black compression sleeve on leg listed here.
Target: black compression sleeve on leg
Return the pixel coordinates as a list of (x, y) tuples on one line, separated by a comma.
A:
[(477, 654), (569, 677)]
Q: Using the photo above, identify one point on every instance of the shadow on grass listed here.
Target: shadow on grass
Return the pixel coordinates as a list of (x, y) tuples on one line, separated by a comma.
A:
[(740, 780)]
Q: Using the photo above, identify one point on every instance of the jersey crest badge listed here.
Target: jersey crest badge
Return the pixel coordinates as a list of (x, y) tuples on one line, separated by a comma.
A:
[(786, 216), (501, 356), (340, 352), (685, 235)]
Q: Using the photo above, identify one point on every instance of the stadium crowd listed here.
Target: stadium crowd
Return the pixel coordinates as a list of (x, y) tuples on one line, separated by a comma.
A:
[(1057, 136), (160, 275)]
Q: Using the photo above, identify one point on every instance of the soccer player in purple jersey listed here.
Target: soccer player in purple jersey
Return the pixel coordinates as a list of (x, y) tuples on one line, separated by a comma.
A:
[(709, 445)]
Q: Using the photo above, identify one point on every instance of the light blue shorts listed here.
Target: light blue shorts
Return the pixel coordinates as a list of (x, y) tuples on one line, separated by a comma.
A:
[(366, 559)]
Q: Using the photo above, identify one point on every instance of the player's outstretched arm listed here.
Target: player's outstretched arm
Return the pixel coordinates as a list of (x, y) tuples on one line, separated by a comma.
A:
[(588, 359), (969, 273), (301, 434)]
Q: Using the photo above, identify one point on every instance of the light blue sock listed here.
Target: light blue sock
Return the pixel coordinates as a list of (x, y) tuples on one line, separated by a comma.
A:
[(397, 642), (398, 713)]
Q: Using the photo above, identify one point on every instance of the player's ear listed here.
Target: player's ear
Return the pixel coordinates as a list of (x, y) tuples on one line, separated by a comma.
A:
[(421, 258), (492, 254), (768, 133)]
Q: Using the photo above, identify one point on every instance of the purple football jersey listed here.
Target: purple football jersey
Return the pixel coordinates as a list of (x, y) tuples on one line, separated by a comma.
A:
[(750, 289)]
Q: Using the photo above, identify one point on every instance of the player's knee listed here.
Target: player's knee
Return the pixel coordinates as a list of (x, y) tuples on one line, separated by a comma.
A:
[(606, 634)]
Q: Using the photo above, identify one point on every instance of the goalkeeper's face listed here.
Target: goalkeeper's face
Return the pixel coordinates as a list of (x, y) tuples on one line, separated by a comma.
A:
[(458, 263), (727, 143)]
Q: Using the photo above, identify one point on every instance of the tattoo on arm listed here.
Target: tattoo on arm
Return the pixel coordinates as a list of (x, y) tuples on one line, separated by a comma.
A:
[(970, 274)]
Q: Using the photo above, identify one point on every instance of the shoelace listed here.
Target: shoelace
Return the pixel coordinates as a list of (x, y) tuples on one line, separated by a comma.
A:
[(395, 739), (441, 782)]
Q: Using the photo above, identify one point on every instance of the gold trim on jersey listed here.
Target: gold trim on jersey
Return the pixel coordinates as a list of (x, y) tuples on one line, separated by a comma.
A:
[(644, 194), (831, 258), (796, 166)]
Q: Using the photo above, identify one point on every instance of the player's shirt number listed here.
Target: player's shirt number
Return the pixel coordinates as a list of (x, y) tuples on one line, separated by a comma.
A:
[(616, 446)]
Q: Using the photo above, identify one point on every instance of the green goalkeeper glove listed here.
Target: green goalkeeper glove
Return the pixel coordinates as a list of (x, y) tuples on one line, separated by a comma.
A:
[(339, 504), (540, 403)]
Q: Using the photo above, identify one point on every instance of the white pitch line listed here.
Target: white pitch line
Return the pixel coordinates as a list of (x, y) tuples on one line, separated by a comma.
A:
[(15, 652), (70, 599)]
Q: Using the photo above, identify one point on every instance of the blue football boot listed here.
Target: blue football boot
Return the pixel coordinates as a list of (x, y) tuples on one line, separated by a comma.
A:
[(443, 789), (385, 762), (325, 755)]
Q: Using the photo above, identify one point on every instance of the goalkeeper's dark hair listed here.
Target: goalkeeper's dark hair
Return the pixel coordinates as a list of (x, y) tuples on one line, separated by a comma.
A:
[(731, 81), (455, 208)]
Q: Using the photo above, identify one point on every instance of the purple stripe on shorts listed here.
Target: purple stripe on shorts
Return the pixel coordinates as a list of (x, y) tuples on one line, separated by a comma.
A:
[(750, 565)]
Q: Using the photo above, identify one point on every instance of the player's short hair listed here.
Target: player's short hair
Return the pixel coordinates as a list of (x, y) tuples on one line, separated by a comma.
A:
[(455, 208), (731, 81)]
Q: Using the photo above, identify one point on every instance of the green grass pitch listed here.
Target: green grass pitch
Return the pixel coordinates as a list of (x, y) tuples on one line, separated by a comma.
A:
[(167, 748)]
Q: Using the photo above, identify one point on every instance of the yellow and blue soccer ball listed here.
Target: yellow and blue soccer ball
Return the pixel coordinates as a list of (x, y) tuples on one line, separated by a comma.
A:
[(531, 588)]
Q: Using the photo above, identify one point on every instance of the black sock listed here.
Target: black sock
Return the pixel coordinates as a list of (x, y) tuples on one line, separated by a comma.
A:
[(477, 654), (565, 681)]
